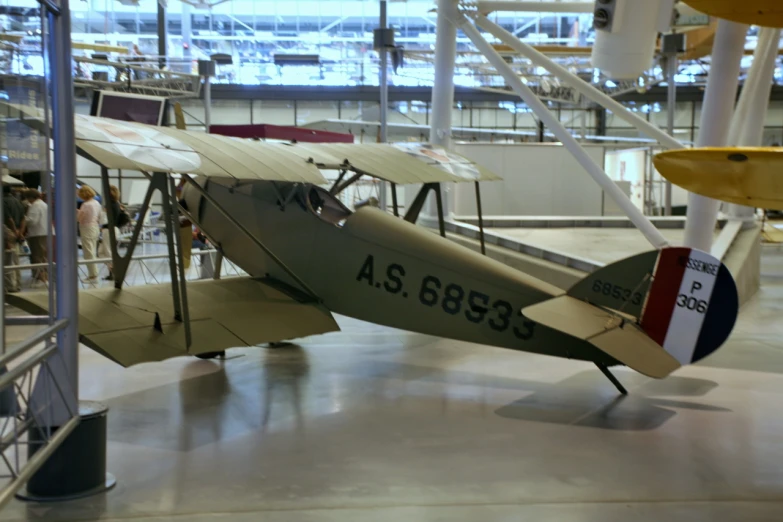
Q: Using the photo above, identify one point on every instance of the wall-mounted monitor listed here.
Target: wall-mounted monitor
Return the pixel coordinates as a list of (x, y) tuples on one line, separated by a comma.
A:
[(141, 108)]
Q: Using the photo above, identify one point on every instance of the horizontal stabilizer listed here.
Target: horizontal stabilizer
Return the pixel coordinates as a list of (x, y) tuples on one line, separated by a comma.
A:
[(613, 333), (653, 312), (228, 313)]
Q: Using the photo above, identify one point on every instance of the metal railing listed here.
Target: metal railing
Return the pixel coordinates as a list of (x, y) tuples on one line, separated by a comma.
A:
[(142, 270), (24, 422)]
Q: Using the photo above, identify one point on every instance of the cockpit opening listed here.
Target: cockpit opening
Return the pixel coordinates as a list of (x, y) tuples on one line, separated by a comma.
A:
[(324, 205)]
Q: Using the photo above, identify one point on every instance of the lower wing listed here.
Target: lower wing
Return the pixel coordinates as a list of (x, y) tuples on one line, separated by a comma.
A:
[(136, 324)]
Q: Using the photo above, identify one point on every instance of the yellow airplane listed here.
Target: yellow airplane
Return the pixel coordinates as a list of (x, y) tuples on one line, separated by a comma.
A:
[(751, 176), (268, 208), (768, 13)]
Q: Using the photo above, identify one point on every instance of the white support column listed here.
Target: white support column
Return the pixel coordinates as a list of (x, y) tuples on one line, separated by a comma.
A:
[(207, 103), (747, 124), (384, 102), (443, 86), (384, 80), (584, 88), (762, 73), (443, 94), (537, 106), (671, 108), (716, 112)]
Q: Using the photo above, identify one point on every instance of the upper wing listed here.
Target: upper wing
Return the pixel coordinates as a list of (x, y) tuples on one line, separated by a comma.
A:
[(126, 145), (133, 146), (401, 163), (223, 314)]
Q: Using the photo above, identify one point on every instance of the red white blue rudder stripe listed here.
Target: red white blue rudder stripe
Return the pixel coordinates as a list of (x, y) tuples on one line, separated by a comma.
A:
[(692, 304)]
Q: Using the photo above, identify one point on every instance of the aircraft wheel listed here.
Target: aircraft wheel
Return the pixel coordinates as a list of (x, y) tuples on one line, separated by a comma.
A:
[(211, 355)]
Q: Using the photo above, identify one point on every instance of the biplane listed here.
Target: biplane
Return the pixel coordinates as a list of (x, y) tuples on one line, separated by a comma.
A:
[(268, 208)]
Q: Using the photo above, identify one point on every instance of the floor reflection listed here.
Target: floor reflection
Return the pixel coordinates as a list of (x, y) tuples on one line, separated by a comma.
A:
[(286, 368), (642, 409), (206, 407), (210, 404), (90, 508)]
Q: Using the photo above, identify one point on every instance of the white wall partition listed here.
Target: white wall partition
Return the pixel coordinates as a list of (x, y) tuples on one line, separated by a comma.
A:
[(539, 179)]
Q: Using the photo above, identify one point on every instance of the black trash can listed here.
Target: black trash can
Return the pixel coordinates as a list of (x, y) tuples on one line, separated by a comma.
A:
[(78, 467)]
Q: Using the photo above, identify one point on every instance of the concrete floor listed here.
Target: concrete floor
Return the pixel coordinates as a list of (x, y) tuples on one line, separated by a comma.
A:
[(377, 424), (604, 245)]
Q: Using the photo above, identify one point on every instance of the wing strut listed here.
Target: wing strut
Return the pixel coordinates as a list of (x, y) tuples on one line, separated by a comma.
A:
[(612, 378), (480, 218), (439, 202), (179, 283), (208, 197), (337, 182), (353, 179), (162, 182), (394, 200), (418, 203), (121, 263)]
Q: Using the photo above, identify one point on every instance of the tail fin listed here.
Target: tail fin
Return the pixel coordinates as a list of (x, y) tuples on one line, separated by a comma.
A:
[(684, 300)]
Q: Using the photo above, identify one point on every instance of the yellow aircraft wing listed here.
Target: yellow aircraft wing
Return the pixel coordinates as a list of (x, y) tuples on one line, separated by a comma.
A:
[(767, 13), (228, 313), (750, 176)]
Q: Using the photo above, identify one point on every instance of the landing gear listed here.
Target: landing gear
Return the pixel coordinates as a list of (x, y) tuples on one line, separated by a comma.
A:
[(212, 355), (612, 378)]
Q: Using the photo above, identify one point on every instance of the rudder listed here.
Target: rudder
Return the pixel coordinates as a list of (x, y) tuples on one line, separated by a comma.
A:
[(684, 299), (692, 304)]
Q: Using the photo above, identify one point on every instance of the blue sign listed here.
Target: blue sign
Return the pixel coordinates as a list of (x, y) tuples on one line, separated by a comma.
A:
[(24, 146)]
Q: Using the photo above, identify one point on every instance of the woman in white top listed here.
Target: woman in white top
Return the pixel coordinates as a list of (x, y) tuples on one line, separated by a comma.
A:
[(37, 231), (88, 217)]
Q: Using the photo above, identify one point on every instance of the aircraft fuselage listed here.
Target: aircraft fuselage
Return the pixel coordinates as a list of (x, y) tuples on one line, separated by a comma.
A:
[(372, 266)]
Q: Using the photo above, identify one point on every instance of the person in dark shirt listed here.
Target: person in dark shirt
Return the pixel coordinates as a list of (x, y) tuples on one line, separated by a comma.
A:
[(13, 231)]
